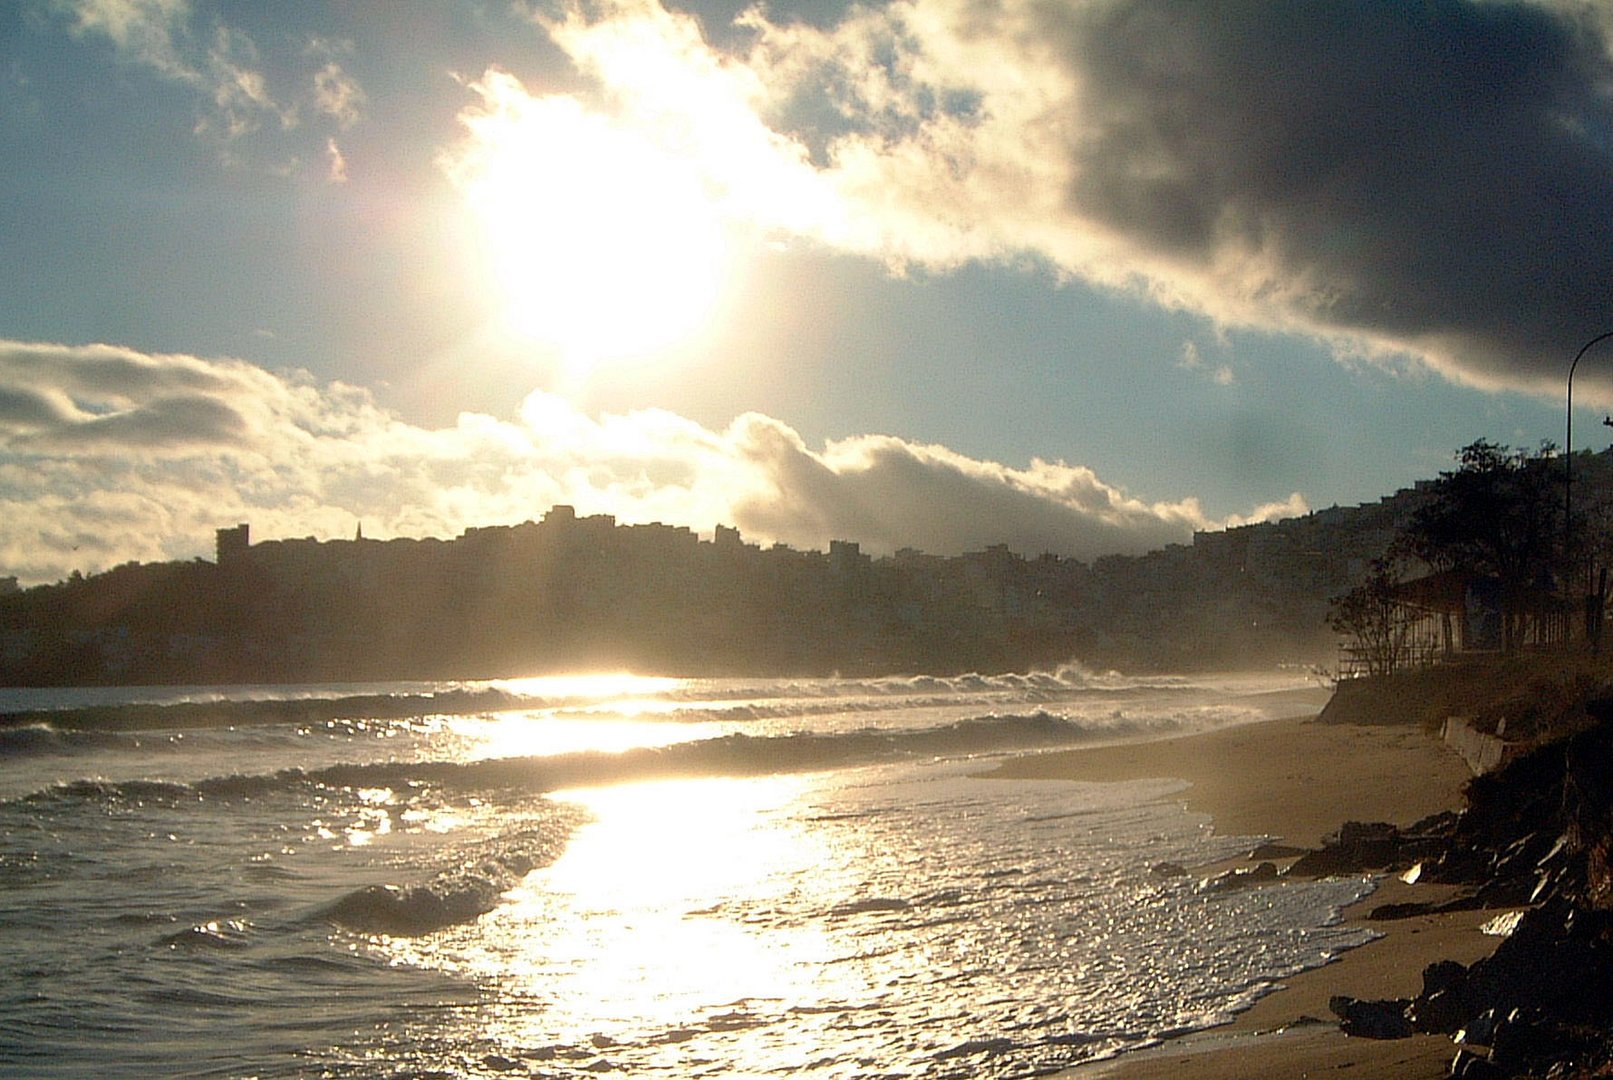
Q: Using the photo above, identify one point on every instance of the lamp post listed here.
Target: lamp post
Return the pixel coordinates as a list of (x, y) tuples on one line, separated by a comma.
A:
[(1568, 441), (1592, 618)]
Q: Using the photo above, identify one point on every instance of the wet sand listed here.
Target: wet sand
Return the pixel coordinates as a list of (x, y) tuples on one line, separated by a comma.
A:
[(1298, 780)]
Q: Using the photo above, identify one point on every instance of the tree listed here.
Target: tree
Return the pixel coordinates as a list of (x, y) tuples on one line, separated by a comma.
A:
[(1498, 515), (1374, 621)]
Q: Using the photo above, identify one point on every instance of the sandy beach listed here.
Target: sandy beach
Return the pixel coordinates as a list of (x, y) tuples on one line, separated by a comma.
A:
[(1298, 780)]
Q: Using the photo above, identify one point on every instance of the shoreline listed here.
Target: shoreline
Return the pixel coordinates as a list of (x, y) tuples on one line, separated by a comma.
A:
[(1296, 780)]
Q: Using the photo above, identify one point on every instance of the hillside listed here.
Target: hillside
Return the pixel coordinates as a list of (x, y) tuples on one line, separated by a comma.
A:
[(569, 593)]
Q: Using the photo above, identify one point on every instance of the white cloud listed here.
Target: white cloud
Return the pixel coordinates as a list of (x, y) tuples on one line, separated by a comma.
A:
[(240, 92), (148, 32), (223, 66), (338, 95), (1192, 359), (336, 172), (1400, 180), (108, 455), (1293, 506)]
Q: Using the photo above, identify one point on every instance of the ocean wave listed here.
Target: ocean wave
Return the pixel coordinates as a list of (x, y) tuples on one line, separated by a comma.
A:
[(117, 792), (139, 716), (38, 738), (217, 934), (735, 754), (694, 700), (460, 894)]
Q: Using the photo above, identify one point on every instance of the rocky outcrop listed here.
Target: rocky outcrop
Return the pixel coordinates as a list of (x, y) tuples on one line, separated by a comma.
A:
[(1364, 847), (1538, 834)]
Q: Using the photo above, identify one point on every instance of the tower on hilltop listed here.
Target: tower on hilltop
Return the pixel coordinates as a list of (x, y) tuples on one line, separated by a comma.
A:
[(232, 543)]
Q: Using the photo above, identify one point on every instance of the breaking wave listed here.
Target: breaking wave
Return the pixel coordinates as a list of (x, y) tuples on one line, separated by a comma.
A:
[(462, 893), (688, 699), (735, 754)]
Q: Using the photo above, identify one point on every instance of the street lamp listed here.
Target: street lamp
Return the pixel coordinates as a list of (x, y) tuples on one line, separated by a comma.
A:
[(1592, 618)]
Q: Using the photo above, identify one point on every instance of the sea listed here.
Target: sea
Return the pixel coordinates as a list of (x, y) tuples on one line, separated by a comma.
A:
[(622, 875)]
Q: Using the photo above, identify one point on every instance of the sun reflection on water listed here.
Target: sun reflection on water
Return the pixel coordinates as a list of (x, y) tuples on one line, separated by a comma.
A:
[(599, 713), (661, 914), (597, 686), (883, 920), (542, 733)]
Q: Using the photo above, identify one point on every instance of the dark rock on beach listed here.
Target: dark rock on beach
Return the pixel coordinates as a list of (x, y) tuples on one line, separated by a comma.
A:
[(1364, 847), (1536, 834), (1241, 877), (1371, 1019)]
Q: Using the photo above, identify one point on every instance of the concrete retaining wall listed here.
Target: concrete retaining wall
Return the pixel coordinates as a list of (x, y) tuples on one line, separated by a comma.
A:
[(1481, 752)]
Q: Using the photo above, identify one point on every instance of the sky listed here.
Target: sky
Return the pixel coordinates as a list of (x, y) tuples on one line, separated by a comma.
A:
[(1080, 277)]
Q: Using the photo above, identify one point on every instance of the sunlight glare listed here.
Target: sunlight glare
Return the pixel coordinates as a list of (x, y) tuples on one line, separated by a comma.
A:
[(678, 842), (548, 733), (598, 686), (606, 244), (600, 712), (652, 915)]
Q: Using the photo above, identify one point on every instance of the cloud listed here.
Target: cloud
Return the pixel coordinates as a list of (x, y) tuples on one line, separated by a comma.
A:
[(1428, 181), (109, 455), (1433, 178), (144, 31), (157, 34), (1293, 506), (338, 95), (887, 493), (223, 66), (240, 92), (336, 171)]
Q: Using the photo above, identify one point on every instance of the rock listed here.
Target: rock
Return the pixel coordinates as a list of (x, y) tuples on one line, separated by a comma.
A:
[(1468, 1065), (1439, 1013), (1479, 1030), (1466, 901), (1536, 834), (1361, 834), (1558, 959), (1440, 824), (1409, 909), (1526, 1037), (1442, 975), (1355, 849), (1440, 1009), (1588, 802), (1371, 1019), (1277, 851), (1168, 870), (1240, 878)]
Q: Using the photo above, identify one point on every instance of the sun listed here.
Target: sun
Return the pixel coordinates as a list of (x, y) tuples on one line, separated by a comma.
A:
[(603, 242)]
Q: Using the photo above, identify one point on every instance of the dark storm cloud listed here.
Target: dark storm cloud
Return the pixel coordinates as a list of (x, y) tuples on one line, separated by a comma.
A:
[(1435, 176)]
